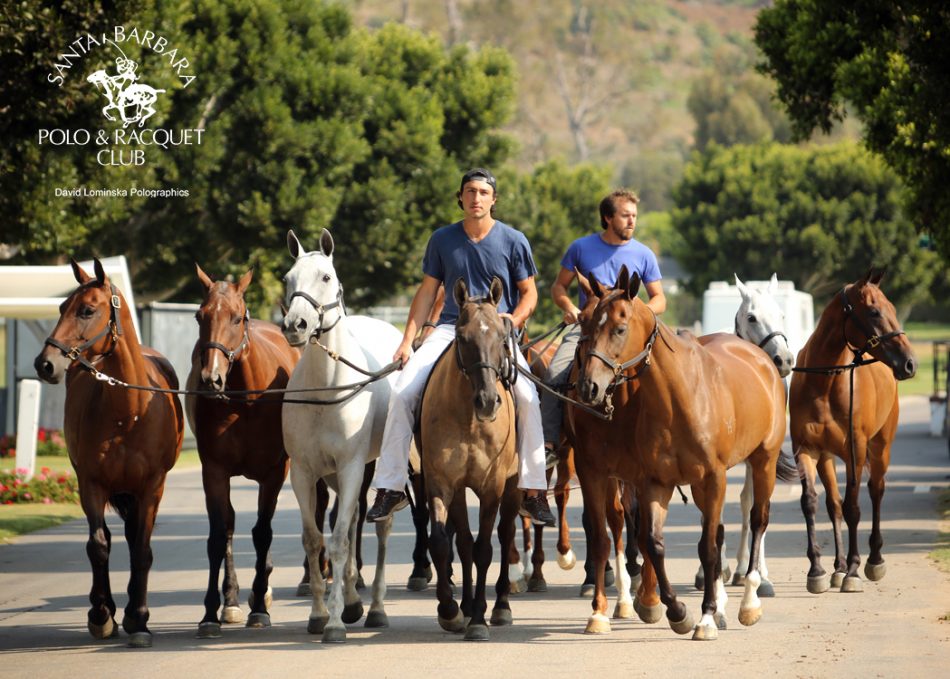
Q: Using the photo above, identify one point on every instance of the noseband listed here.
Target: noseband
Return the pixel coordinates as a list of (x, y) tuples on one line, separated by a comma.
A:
[(619, 369), (507, 372), (872, 340), (231, 353), (114, 326), (321, 311)]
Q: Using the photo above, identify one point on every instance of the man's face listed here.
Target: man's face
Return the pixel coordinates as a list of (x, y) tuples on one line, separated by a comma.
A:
[(477, 198), (624, 221)]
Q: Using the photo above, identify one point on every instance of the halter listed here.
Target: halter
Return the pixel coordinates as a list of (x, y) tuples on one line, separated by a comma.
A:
[(872, 340), (619, 369), (768, 338), (321, 310), (507, 372), (74, 353), (231, 353)]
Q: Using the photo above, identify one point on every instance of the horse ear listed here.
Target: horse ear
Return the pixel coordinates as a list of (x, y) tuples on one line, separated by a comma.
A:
[(595, 287), (245, 281), (497, 290), (100, 272), (634, 286), (876, 276), (741, 287), (326, 243), (460, 292), (623, 278), (773, 284), (583, 283), (81, 276), (203, 277), (293, 244)]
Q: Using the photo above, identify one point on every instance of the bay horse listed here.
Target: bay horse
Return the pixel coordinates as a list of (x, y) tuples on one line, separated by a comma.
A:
[(237, 437), (684, 411), (467, 434), (121, 441), (334, 434), (857, 322)]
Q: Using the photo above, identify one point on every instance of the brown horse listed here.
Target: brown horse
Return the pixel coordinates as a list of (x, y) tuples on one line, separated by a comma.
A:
[(684, 411), (467, 431), (121, 441), (858, 321), (237, 437)]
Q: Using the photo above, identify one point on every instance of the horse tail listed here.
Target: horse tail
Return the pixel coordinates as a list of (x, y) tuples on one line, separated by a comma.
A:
[(787, 470), (123, 504)]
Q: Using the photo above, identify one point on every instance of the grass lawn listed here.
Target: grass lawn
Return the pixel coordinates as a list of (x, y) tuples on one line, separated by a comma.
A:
[(921, 337)]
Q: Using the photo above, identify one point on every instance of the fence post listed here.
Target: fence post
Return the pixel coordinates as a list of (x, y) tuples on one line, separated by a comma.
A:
[(28, 416)]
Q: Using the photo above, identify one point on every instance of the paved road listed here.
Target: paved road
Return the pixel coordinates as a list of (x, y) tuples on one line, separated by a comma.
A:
[(892, 629)]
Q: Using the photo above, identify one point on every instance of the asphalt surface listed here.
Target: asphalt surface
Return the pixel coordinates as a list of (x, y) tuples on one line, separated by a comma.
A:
[(893, 628)]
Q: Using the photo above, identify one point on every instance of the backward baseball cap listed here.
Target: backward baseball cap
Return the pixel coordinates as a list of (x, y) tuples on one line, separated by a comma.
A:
[(479, 174)]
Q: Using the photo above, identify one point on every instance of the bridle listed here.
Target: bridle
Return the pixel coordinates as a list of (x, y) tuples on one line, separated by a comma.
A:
[(507, 372), (620, 369), (322, 309), (765, 340), (230, 354), (872, 340), (114, 326)]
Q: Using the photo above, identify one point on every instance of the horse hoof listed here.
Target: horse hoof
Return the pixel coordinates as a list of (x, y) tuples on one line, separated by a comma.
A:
[(567, 561), (623, 610), (720, 619), (268, 599), (648, 614), (738, 579), (107, 630), (317, 625), (750, 616), (597, 624), (232, 615), (699, 582), (766, 590), (852, 583), (874, 571), (587, 589), (609, 578), (140, 640), (360, 583), (303, 589), (707, 632), (518, 586), (429, 573), (837, 578), (417, 584), (500, 617), (683, 626), (635, 581), (818, 584), (456, 624), (726, 573), (208, 630), (537, 585), (476, 633), (258, 620), (376, 619), (334, 635), (352, 612)]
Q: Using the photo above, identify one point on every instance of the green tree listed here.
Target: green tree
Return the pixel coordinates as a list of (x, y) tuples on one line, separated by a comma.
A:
[(888, 59), (817, 216)]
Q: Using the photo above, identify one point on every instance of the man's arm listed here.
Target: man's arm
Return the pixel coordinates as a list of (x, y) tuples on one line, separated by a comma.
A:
[(418, 311), (657, 300), (561, 296), (527, 301)]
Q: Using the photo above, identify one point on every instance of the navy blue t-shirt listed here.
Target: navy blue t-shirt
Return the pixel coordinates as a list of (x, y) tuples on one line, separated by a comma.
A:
[(504, 253)]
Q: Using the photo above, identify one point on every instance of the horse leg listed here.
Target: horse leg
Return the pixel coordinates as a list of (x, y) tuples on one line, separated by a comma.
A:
[(323, 500), (510, 501), (875, 569), (344, 602), (262, 535), (826, 472), (852, 515), (305, 489), (139, 522), (647, 601), (361, 520), (588, 587), (449, 616), (217, 504), (536, 582), (595, 488), (518, 574), (101, 615), (477, 628), (377, 611), (615, 519), (818, 579), (763, 483), (421, 567), (629, 503), (709, 496), (566, 558), (464, 543), (655, 502)]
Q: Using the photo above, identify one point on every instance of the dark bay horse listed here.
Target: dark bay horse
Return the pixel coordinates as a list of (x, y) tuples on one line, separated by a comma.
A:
[(858, 321), (121, 441), (684, 411), (467, 432), (237, 437)]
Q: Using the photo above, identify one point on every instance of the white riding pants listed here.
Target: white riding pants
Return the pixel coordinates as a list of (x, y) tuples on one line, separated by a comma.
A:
[(392, 468)]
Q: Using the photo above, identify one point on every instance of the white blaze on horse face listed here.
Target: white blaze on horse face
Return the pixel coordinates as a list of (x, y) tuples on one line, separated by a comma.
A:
[(483, 327), (603, 320)]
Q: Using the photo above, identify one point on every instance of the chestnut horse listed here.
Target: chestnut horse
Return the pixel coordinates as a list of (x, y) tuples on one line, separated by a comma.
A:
[(684, 411), (467, 432), (121, 441), (237, 437), (859, 320)]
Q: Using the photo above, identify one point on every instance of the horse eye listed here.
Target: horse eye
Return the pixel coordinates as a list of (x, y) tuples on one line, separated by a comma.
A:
[(620, 330), (85, 311), (874, 312), (236, 320), (326, 278), (752, 318)]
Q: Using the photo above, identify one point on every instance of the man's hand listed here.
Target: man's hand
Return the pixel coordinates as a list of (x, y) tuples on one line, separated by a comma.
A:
[(403, 352), (511, 318), (572, 315)]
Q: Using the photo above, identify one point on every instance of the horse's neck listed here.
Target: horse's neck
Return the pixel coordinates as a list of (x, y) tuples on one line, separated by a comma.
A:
[(827, 345), (324, 368), (127, 363)]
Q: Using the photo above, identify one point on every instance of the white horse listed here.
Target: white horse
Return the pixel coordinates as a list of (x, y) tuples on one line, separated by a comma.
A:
[(761, 321), (334, 442)]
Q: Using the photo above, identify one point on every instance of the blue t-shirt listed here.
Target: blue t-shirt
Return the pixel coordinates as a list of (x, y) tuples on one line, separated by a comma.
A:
[(504, 253), (591, 254)]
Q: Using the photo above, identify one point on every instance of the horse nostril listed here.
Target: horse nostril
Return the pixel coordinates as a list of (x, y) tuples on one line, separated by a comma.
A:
[(911, 367), (778, 361), (301, 324)]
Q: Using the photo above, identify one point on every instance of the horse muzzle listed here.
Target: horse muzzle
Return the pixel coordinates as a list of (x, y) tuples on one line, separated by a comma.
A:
[(486, 405), (49, 367), (590, 392)]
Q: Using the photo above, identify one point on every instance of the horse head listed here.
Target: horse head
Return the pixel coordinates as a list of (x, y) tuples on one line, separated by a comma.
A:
[(314, 295), (223, 326), (88, 326), (870, 325), (481, 346), (617, 334), (760, 320)]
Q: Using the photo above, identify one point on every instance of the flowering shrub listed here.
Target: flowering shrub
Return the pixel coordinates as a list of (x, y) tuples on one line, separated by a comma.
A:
[(45, 487), (48, 442)]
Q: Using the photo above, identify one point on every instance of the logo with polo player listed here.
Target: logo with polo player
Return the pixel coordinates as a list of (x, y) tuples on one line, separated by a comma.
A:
[(133, 100)]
